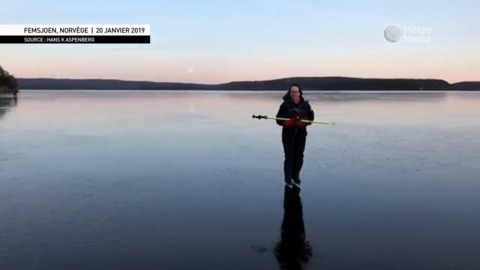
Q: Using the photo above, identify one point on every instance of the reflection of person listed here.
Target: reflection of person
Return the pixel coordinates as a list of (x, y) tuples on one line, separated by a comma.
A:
[(293, 251), (294, 132)]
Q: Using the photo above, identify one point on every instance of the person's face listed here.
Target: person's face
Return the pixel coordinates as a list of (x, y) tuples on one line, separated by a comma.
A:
[(295, 92)]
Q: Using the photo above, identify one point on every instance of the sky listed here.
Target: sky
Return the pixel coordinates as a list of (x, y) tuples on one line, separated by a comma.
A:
[(221, 41)]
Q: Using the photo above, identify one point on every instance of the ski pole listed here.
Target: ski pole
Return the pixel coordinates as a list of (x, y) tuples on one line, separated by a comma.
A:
[(278, 118)]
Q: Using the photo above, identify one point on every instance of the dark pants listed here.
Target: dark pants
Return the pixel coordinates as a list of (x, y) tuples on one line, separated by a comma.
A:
[(293, 146)]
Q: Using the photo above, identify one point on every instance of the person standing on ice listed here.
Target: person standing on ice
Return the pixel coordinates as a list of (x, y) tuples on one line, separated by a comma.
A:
[(294, 132)]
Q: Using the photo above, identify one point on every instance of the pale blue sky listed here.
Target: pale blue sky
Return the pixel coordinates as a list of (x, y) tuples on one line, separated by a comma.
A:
[(219, 41)]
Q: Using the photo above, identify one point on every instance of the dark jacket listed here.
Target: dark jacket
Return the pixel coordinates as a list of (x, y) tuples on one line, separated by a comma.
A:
[(288, 109)]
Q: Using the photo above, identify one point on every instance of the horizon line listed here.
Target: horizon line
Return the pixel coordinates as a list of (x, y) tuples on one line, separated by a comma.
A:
[(278, 78)]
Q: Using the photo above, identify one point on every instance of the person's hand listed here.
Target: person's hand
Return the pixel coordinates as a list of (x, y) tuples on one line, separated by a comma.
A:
[(290, 122), (299, 123)]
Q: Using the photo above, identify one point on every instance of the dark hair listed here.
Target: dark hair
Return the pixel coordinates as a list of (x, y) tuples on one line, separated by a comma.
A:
[(287, 95)]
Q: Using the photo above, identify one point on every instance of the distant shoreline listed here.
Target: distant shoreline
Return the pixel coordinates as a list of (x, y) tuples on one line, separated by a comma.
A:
[(243, 91), (307, 83)]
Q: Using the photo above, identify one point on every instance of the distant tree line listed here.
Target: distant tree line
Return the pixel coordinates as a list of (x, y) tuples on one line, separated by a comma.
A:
[(8, 82), (307, 83)]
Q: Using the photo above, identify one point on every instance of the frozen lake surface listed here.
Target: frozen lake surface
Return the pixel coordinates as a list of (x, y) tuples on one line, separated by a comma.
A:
[(188, 180)]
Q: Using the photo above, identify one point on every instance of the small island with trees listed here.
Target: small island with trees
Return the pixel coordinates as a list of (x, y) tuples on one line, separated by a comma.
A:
[(8, 83)]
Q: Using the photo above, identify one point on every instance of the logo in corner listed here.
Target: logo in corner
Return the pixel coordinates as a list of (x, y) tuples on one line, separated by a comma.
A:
[(392, 33)]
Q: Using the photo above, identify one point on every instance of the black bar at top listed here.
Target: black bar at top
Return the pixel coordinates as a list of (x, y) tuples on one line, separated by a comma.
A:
[(74, 39)]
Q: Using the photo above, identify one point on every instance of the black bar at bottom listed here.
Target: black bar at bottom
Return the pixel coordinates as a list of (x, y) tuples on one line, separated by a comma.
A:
[(75, 39)]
